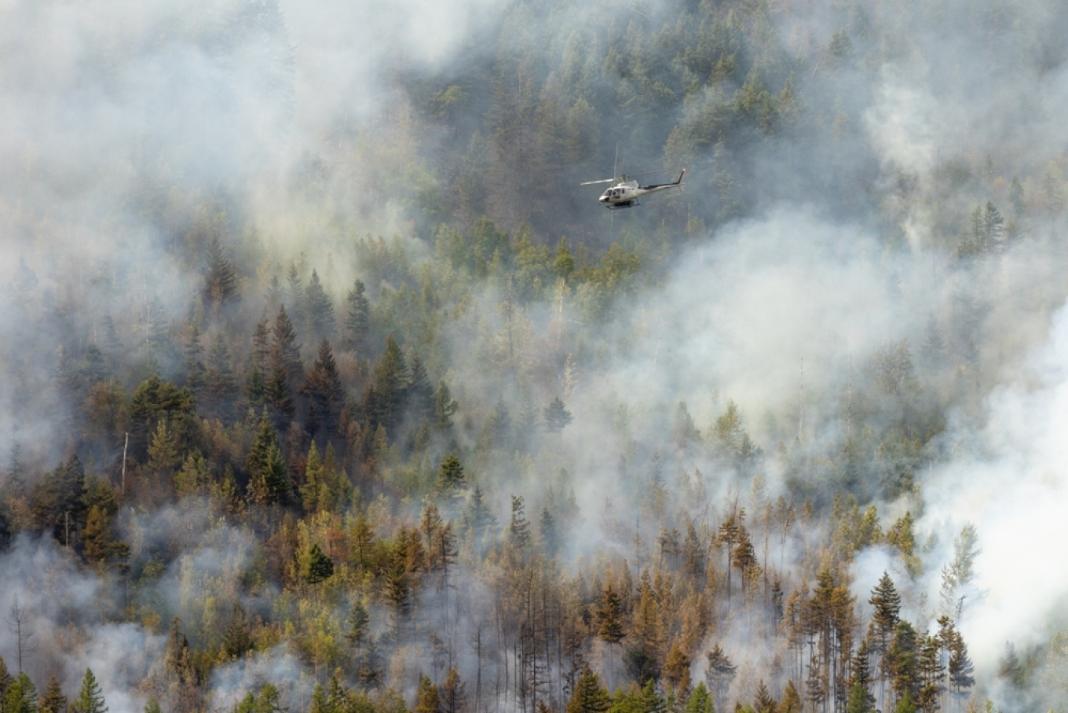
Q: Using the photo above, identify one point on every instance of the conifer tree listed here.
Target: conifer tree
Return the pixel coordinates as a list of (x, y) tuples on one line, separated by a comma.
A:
[(427, 699), (285, 371), (886, 605), (90, 699), (320, 567), (220, 281), (268, 476), (320, 309), (548, 534), (325, 393), (444, 408), (194, 361), (763, 703), (389, 384), (357, 319), (152, 706), (451, 477), (20, 696), (220, 384), (589, 695), (610, 616), (700, 700), (791, 700), (478, 520), (960, 666), (519, 528), (420, 393), (720, 672), (453, 696), (557, 417)]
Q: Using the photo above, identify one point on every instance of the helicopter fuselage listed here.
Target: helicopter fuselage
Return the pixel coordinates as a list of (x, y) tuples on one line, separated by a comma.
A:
[(625, 194)]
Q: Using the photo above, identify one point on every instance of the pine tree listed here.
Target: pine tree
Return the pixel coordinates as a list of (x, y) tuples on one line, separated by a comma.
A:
[(193, 478), (700, 700), (720, 671), (478, 519), (99, 544), (320, 567), (451, 479), (589, 695), (791, 700), (325, 393), (220, 281), (860, 700), (763, 703), (358, 319), (427, 699), (610, 616), (256, 383), (453, 698), (220, 384), (547, 531), (444, 408), (557, 417), (268, 476), (90, 698), (20, 696), (389, 384), (886, 605), (163, 453), (320, 309), (519, 528), (152, 706), (960, 666), (194, 361), (420, 393), (285, 369)]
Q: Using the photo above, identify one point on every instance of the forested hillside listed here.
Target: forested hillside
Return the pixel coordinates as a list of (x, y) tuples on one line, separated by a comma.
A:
[(324, 386)]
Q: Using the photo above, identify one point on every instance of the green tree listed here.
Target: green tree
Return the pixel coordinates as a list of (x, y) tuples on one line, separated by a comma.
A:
[(20, 696), (519, 528), (589, 696), (325, 393), (444, 408), (700, 700), (220, 280), (320, 309), (320, 567), (268, 476), (357, 319), (90, 698), (285, 369), (610, 616)]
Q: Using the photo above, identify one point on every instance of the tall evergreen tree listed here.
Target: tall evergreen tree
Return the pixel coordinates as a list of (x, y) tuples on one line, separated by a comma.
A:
[(90, 698), (320, 309), (324, 392), (589, 695), (220, 280), (286, 371), (268, 476), (357, 319)]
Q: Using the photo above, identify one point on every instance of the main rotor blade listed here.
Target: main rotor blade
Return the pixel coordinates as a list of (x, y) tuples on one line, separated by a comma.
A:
[(603, 180)]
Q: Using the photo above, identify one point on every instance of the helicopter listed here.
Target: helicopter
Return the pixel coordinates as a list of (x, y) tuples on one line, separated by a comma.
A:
[(626, 191)]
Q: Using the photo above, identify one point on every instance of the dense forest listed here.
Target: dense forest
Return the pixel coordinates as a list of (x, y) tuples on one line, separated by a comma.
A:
[(326, 388)]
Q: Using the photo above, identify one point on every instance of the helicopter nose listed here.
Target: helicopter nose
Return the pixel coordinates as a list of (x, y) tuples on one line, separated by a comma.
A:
[(603, 198)]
